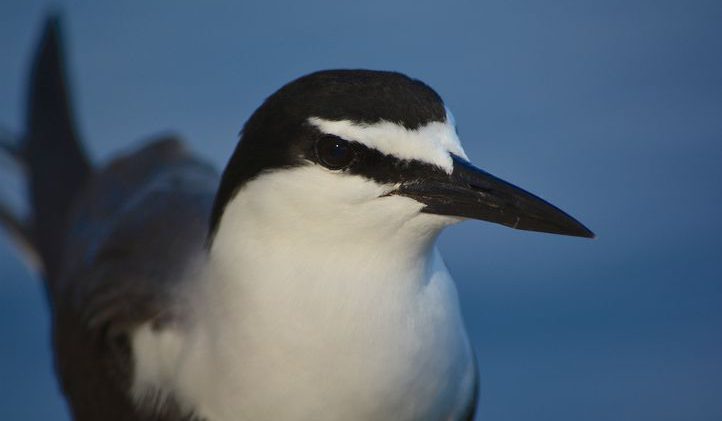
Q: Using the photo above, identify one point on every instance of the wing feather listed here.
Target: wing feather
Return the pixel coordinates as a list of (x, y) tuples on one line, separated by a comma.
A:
[(134, 230)]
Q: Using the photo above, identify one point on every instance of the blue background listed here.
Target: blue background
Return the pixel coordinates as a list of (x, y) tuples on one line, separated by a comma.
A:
[(611, 109)]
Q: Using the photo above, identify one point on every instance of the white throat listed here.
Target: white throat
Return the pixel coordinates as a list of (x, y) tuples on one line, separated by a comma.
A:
[(311, 310)]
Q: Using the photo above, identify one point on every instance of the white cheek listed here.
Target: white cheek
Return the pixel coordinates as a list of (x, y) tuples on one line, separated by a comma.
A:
[(314, 193)]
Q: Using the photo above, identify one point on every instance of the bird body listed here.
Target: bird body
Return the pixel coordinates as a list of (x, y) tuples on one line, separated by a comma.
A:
[(362, 322), (302, 283), (331, 351)]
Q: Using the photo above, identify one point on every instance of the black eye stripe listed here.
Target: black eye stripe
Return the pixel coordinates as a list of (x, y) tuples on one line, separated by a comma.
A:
[(387, 169)]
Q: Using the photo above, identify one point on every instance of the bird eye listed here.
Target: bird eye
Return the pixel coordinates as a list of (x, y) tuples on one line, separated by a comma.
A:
[(333, 152)]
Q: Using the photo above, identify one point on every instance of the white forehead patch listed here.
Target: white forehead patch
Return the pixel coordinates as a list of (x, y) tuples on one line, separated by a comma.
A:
[(432, 143)]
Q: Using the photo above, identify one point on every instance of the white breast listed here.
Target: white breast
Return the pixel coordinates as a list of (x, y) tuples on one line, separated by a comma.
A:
[(331, 353)]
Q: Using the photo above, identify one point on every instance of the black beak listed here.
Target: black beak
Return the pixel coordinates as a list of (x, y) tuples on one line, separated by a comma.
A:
[(473, 193)]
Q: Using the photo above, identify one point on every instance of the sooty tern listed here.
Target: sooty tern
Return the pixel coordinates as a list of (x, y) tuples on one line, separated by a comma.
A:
[(302, 284)]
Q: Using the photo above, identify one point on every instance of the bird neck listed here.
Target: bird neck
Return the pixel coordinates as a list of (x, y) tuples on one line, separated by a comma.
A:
[(254, 250)]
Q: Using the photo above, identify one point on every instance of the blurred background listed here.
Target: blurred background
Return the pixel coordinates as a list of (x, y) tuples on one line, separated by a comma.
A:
[(610, 109)]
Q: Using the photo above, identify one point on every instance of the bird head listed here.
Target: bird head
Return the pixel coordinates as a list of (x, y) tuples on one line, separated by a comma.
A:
[(366, 154)]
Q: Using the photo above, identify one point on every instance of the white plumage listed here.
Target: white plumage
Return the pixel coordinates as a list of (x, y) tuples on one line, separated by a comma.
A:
[(362, 322)]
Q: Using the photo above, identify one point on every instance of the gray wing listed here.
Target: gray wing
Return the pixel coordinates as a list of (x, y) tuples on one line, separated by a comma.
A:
[(132, 232), (112, 243)]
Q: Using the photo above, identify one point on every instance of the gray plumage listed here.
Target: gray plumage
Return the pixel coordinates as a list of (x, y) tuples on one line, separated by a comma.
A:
[(93, 229)]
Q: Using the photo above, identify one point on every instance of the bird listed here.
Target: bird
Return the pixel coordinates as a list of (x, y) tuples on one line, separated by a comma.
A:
[(303, 282)]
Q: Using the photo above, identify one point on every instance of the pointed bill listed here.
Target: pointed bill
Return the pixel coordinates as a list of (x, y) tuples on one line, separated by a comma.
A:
[(470, 192)]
